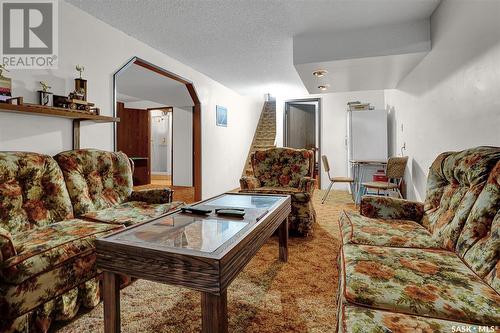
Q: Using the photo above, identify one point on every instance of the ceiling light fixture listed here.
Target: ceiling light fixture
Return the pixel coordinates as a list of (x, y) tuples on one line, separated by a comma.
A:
[(323, 87), (320, 72)]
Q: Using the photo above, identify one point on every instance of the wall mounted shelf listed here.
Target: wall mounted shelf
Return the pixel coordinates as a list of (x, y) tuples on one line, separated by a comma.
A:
[(76, 116)]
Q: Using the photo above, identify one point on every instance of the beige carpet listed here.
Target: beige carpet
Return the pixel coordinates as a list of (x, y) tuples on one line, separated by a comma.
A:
[(268, 296)]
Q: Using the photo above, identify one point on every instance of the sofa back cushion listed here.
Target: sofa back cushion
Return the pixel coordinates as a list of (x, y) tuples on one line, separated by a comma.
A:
[(282, 167), (95, 179), (479, 241), (455, 182), (32, 192)]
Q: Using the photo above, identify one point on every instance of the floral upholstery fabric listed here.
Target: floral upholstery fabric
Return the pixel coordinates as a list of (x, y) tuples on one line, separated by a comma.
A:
[(434, 283), (152, 196), (95, 179), (43, 248), (454, 184), (61, 308), (479, 241), (358, 229), (133, 212), (282, 167), (7, 248), (391, 208), (32, 192), (356, 319), (250, 183), (286, 171)]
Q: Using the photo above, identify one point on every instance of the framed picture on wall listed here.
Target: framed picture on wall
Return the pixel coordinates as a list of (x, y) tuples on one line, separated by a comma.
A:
[(221, 116)]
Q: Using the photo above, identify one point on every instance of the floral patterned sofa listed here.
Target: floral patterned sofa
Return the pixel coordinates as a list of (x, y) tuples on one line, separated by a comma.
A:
[(47, 256), (285, 171), (100, 187), (426, 267)]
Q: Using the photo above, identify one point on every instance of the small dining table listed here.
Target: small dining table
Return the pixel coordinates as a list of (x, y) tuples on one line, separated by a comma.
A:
[(359, 168)]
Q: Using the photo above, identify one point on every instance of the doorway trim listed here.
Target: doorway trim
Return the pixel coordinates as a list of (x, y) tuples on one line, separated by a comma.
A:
[(197, 180), (285, 106)]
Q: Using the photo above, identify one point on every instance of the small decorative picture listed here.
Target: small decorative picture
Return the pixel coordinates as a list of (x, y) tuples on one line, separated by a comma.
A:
[(221, 116)]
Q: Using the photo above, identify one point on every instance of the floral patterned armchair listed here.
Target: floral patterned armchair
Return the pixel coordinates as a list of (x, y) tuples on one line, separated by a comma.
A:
[(428, 266), (100, 186), (47, 257), (285, 171)]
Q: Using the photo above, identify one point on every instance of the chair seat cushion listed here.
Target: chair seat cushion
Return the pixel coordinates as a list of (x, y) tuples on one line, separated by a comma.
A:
[(47, 247), (358, 229), (425, 282), (356, 319), (132, 212), (295, 193), (342, 179), (380, 185)]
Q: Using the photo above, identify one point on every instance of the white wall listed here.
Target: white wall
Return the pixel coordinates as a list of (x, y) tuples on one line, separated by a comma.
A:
[(183, 145), (103, 49), (333, 126), (451, 100)]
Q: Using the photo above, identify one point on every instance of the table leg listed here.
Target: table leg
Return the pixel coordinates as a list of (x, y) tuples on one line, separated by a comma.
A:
[(283, 240), (111, 299), (214, 313)]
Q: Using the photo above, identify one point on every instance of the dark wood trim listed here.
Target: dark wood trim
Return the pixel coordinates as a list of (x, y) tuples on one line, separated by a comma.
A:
[(161, 71), (197, 153), (111, 300), (214, 312), (163, 108)]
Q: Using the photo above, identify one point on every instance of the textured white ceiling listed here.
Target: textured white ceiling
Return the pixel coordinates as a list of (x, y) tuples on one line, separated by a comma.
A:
[(246, 44)]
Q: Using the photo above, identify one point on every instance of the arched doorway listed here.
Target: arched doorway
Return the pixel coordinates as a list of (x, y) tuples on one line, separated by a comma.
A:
[(196, 115)]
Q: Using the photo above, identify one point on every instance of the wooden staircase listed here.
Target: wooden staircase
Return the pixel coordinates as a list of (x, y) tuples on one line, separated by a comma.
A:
[(265, 134)]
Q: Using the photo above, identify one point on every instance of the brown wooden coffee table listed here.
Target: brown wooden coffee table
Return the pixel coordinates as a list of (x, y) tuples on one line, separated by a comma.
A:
[(203, 253)]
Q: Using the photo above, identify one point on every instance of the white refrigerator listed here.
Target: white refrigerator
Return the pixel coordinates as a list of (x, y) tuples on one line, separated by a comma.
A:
[(366, 139)]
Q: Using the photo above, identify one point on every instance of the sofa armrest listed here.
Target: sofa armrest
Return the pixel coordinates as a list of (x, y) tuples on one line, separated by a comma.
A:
[(249, 183), (152, 196), (307, 184), (391, 208), (7, 248)]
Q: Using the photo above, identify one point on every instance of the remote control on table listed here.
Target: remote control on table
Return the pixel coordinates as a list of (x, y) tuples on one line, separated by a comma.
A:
[(196, 211)]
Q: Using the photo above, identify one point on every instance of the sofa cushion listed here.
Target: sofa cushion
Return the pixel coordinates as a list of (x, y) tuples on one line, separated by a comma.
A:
[(424, 282), (454, 184), (18, 299), (282, 167), (358, 229), (45, 248), (32, 192), (356, 319), (479, 241), (95, 179), (132, 212)]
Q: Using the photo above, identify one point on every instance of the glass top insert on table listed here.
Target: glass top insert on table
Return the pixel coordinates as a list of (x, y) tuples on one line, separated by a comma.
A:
[(204, 234), (243, 201)]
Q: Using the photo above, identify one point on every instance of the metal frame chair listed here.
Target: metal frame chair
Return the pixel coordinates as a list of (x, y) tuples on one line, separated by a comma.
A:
[(333, 180), (395, 173)]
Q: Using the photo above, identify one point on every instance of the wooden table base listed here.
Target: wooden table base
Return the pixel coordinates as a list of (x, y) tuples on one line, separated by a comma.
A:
[(214, 313), (111, 300)]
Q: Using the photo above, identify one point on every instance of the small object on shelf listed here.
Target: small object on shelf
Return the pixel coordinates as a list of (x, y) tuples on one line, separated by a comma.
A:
[(80, 83), (44, 95), (15, 101), (196, 211), (72, 104), (5, 86)]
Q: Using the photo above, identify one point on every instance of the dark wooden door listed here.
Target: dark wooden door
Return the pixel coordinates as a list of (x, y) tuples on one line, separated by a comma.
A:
[(133, 137)]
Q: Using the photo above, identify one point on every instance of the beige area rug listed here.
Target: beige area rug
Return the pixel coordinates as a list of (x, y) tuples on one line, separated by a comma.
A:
[(268, 296)]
